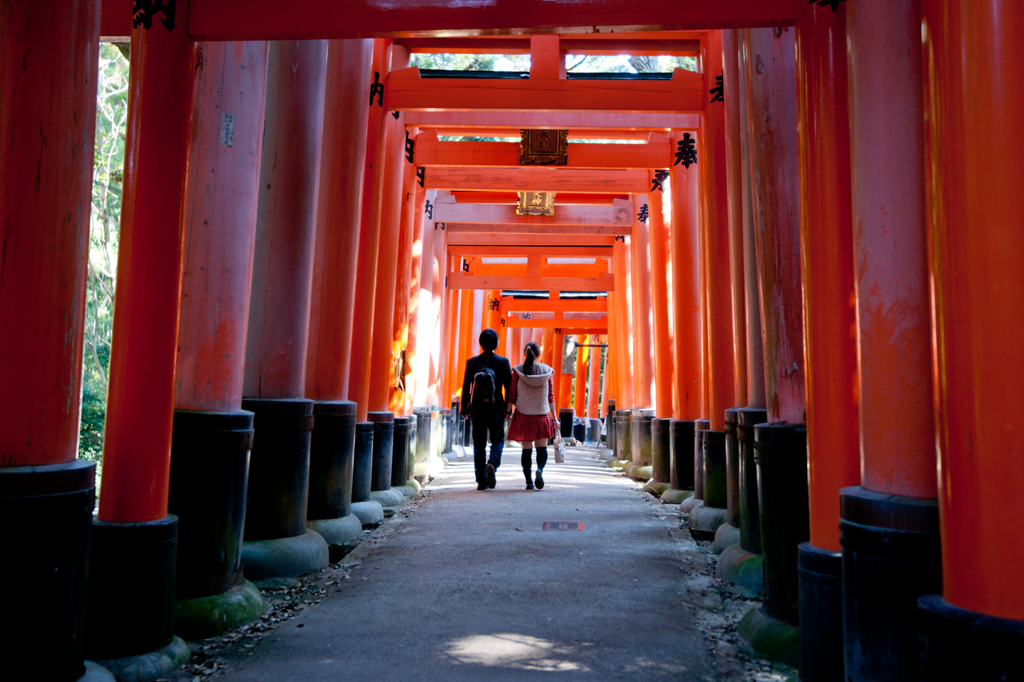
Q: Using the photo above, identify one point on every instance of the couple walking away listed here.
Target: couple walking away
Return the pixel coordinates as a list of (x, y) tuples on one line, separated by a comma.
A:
[(492, 391)]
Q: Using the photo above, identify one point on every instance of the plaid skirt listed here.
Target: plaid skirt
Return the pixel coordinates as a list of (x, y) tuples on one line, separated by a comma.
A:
[(526, 428)]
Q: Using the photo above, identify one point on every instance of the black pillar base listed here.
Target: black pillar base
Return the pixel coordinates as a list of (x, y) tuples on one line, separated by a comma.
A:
[(413, 434), (609, 426), (46, 542), (278, 468), (661, 450), (623, 436), (640, 437), (781, 454), (891, 557), (447, 430), (681, 467), (362, 469), (579, 432), (207, 492), (422, 451), (565, 421), (750, 510), (383, 445), (715, 483), (821, 614), (131, 588), (957, 644), (331, 459), (699, 427), (400, 465), (732, 468)]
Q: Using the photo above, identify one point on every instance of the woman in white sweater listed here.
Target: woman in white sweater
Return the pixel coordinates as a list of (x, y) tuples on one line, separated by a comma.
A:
[(533, 422)]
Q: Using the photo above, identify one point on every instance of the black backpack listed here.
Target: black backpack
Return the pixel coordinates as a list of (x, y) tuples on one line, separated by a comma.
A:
[(481, 393)]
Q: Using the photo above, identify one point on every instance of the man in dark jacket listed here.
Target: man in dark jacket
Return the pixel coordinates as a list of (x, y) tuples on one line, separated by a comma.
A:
[(487, 412)]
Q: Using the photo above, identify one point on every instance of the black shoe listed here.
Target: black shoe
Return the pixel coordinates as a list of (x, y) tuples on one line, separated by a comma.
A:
[(529, 485), (491, 481), (481, 486), (540, 480)]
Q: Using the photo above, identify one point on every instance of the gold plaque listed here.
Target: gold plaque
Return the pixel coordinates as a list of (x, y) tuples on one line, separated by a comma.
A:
[(536, 203), (544, 147)]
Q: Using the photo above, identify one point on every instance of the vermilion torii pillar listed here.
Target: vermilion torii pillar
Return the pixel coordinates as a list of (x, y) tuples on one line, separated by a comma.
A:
[(889, 522), (420, 310), (719, 338), (276, 539), (594, 388), (49, 55), (579, 401), (130, 608), (329, 346), (684, 177), (212, 434), (640, 277), (664, 360), (826, 244), (782, 442), (369, 232), (974, 135)]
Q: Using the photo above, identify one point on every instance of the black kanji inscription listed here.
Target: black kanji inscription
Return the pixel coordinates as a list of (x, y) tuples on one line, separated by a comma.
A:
[(421, 175), (410, 147), (429, 210), (643, 215), (834, 4), (377, 89), (494, 304), (686, 151), (439, 225), (396, 114), (503, 322), (659, 178), (465, 265), (718, 92), (143, 12)]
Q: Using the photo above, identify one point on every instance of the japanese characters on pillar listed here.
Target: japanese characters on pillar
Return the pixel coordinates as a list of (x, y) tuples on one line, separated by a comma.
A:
[(640, 278), (140, 402)]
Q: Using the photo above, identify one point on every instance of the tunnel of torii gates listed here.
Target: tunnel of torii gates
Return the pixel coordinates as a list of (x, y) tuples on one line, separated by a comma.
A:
[(794, 280)]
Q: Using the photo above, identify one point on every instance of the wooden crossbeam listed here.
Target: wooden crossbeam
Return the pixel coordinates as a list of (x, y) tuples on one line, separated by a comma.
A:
[(500, 230), (655, 154), (539, 179), (546, 305), (503, 250), (573, 121), (652, 43), (406, 91), (577, 134), (545, 241), (621, 214), (546, 270), (458, 280), (511, 198), (317, 19), (548, 323)]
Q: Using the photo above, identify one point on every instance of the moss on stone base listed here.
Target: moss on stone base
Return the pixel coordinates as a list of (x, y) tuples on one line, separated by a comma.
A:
[(210, 616), (656, 488), (771, 638)]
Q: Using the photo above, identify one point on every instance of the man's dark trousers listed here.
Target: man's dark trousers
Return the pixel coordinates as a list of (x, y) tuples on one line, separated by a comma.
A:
[(485, 423)]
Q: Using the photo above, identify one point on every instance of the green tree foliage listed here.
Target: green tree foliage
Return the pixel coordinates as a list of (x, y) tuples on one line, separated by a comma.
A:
[(111, 122)]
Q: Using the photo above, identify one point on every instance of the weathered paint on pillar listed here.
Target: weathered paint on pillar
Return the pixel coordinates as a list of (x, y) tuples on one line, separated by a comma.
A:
[(661, 304), (49, 56), (684, 199), (437, 355), (417, 201), (897, 422), (398, 400), (339, 208), (772, 103), (975, 99), (275, 354), (826, 237), (732, 88), (369, 234), (220, 225), (388, 247), (643, 306), (721, 357), (140, 398), (424, 310)]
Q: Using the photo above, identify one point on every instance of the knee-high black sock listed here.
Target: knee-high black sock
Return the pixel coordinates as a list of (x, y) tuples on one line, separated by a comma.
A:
[(527, 462), (542, 457)]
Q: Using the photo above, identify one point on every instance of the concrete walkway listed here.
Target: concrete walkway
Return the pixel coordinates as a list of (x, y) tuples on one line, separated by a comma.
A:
[(470, 587)]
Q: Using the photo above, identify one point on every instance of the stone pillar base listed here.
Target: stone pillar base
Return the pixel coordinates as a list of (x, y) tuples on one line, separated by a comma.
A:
[(705, 521), (285, 557), (369, 513), (149, 666), (674, 496), (726, 536), (774, 639), (742, 572), (210, 616), (94, 672)]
